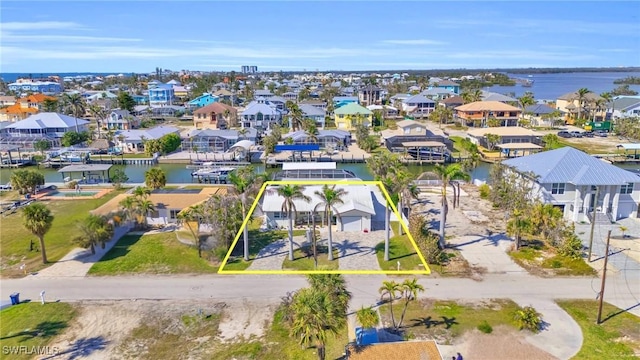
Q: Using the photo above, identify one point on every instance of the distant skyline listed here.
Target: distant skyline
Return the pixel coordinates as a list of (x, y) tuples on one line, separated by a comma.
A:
[(138, 36)]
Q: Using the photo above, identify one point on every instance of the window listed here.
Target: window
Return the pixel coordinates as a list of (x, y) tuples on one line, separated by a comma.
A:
[(557, 188), (626, 189), (173, 214)]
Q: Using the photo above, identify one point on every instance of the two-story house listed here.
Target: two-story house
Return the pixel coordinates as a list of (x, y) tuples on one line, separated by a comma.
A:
[(418, 105), (313, 113), (574, 107), (478, 113), (448, 85), (161, 95), (370, 95), (624, 107), (47, 125), (339, 101), (121, 120), (348, 116), (569, 179), (410, 133), (260, 115), (215, 116)]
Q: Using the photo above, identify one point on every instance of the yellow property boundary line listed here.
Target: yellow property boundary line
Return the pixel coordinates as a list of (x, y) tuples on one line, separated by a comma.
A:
[(379, 184)]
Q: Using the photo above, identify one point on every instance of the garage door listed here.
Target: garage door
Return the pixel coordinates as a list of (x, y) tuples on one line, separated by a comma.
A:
[(351, 223)]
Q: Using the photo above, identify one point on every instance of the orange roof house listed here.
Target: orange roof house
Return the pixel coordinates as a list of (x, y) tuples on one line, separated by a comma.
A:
[(24, 107), (214, 116), (478, 113)]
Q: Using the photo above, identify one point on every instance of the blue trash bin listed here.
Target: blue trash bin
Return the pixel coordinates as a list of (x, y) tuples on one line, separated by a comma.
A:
[(15, 298)]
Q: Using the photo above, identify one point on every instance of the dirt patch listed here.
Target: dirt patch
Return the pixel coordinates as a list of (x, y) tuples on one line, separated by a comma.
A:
[(502, 343), (244, 319)]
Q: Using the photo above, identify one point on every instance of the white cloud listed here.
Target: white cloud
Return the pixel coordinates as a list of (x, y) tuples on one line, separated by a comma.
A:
[(9, 37), (413, 42), (40, 25)]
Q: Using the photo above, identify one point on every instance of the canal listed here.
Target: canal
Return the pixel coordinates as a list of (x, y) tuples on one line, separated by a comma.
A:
[(178, 173)]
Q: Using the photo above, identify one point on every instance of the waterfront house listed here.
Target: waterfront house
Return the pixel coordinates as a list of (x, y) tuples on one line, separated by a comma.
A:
[(348, 116), (478, 113), (133, 140), (569, 179), (570, 105), (217, 141), (448, 85), (386, 110), (409, 133), (340, 101), (418, 105), (437, 93), (539, 114), (167, 204), (260, 115), (624, 107), (121, 120), (215, 116), (47, 125), (316, 114), (35, 86), (334, 139), (161, 95), (452, 102), (370, 95), (24, 107), (202, 100), (357, 213), (525, 138), (492, 96)]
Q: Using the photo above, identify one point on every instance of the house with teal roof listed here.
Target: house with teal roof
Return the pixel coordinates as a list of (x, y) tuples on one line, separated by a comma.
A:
[(348, 116)]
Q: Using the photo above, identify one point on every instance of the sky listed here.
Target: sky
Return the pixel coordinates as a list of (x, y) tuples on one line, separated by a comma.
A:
[(138, 36)]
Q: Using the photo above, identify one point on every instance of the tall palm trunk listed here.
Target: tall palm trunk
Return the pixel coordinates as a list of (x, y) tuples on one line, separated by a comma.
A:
[(387, 235), (290, 236), (245, 232), (393, 319), (330, 239), (42, 250)]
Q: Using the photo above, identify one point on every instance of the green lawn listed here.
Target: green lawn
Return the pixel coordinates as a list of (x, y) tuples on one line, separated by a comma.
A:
[(151, 254), (257, 240), (14, 239), (400, 249), (303, 259), (33, 324), (448, 319), (537, 261), (616, 338), (277, 344)]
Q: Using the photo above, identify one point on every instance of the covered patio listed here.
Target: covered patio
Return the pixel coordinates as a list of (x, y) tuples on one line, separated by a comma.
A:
[(511, 150), (86, 173), (630, 151)]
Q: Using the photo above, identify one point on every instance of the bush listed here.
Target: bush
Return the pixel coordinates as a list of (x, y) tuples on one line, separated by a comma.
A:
[(528, 318), (571, 247), (485, 327), (485, 190), (72, 184)]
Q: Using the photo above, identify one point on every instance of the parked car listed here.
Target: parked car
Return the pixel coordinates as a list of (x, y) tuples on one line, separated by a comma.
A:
[(600, 133), (588, 134), (577, 134), (564, 134)]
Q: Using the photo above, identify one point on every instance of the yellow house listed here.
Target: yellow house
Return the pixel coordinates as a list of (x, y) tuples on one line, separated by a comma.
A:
[(570, 105), (348, 116)]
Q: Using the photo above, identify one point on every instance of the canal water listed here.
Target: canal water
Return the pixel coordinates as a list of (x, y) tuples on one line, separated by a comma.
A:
[(178, 173)]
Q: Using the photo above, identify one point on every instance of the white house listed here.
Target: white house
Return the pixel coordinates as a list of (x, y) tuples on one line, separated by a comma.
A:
[(569, 179), (357, 213), (132, 140), (260, 115)]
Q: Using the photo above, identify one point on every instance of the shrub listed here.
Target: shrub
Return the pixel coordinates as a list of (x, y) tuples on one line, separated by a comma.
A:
[(571, 247), (485, 327), (72, 184), (485, 190), (528, 318)]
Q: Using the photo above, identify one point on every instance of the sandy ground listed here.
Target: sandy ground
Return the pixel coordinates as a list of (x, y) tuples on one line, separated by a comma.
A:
[(502, 344), (101, 327)]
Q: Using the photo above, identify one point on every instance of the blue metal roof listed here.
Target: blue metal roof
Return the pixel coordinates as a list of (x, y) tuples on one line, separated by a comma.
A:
[(568, 165), (302, 147)]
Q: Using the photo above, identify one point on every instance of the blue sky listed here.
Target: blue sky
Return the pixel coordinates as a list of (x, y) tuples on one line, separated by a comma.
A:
[(137, 36)]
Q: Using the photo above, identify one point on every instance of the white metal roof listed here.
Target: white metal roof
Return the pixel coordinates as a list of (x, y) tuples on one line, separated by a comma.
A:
[(309, 166), (629, 146)]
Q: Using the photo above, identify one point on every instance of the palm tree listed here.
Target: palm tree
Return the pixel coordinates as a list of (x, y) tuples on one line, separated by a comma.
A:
[(407, 190), (517, 226), (336, 286), (409, 289), (195, 214), (50, 105), (608, 99), (141, 192), (143, 208), (246, 183), (290, 193), (314, 318), (96, 230), (99, 114), (75, 103), (295, 115), (37, 218), (155, 178), (581, 94), (525, 100), (367, 317), (472, 95), (129, 205), (390, 289), (330, 197), (446, 175)]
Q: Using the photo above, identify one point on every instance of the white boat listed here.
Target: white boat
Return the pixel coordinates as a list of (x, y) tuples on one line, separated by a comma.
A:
[(213, 172)]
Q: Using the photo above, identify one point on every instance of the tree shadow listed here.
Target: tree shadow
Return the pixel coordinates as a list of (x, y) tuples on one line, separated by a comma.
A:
[(429, 322), (82, 348), (493, 239), (44, 329), (354, 247)]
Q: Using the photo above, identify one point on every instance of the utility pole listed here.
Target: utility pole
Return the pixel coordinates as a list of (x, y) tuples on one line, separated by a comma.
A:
[(593, 220), (604, 277)]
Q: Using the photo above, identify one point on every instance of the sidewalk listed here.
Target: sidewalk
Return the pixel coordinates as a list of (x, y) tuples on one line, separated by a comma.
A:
[(78, 261)]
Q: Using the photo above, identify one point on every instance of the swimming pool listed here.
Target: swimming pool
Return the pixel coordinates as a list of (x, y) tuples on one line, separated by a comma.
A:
[(71, 193)]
